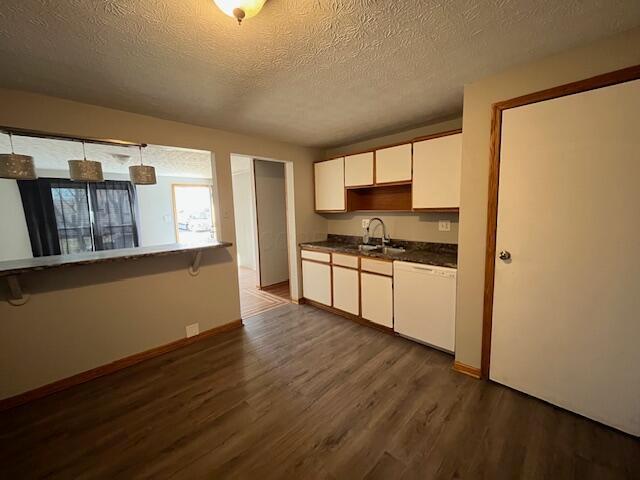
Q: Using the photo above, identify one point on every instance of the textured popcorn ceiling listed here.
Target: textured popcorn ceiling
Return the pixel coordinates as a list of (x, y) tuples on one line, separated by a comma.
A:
[(169, 161), (310, 72)]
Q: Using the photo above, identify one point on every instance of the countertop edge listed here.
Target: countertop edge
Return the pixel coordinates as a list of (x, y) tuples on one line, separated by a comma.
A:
[(393, 257), (117, 256)]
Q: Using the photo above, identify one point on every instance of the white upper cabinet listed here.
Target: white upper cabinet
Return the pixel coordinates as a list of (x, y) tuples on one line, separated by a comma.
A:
[(393, 164), (436, 172), (358, 170), (329, 185)]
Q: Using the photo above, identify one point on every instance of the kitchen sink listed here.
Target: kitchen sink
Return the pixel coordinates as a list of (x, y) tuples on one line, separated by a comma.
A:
[(369, 248), (380, 248), (392, 250)]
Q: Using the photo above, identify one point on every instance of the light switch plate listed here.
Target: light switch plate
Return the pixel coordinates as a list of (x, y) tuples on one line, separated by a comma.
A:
[(193, 330), (365, 222), (444, 225)]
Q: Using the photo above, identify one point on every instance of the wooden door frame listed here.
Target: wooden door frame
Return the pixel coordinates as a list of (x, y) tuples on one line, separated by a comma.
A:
[(593, 83)]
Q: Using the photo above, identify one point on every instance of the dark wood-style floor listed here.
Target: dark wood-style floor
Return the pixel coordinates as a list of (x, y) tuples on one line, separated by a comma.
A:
[(301, 393)]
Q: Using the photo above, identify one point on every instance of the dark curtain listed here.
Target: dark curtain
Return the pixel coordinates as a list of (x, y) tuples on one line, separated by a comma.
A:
[(40, 215), (114, 207), (65, 217)]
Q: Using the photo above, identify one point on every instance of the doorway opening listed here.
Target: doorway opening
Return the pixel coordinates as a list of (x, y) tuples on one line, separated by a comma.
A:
[(193, 213), (262, 198)]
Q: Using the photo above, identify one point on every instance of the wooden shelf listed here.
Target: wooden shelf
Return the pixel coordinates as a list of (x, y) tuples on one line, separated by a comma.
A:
[(380, 198)]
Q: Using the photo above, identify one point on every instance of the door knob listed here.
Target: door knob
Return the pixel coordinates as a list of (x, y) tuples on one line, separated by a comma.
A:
[(505, 255)]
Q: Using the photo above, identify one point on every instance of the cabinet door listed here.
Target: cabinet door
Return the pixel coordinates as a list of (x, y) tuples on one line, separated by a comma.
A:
[(329, 185), (358, 170), (346, 290), (436, 172), (316, 282), (393, 164), (377, 298)]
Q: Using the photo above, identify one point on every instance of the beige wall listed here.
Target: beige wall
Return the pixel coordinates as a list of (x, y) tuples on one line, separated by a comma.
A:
[(604, 56), (418, 227), (404, 226), (39, 342)]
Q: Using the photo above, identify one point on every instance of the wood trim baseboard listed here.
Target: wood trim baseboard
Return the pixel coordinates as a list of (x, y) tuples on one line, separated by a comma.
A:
[(467, 369), (65, 383)]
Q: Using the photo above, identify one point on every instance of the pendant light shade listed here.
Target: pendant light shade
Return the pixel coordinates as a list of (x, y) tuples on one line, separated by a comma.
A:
[(142, 174), (17, 167), (85, 170)]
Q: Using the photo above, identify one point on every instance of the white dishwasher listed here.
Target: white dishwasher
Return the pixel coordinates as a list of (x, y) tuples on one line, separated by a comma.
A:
[(424, 301)]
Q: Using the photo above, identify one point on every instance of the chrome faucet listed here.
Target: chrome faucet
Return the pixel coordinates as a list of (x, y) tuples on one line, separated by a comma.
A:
[(367, 231)]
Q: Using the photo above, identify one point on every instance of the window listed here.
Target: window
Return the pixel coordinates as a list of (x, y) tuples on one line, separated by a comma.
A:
[(193, 213), (73, 218), (66, 217)]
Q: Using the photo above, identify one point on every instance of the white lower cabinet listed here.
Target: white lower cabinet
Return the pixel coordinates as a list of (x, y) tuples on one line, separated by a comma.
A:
[(346, 290), (316, 282), (377, 298)]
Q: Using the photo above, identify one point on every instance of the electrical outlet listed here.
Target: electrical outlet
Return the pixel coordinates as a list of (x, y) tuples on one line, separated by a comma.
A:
[(193, 330), (365, 223), (444, 225)]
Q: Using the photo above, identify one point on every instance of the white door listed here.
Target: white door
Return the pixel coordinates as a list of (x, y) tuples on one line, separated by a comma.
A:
[(377, 298), (393, 164), (346, 290), (436, 172), (566, 313), (316, 282), (329, 185)]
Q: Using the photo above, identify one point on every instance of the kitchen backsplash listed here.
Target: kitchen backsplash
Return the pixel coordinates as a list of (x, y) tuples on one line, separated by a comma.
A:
[(416, 227)]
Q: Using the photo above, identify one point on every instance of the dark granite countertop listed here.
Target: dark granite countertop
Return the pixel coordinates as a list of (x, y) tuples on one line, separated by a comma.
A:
[(437, 254), (14, 267)]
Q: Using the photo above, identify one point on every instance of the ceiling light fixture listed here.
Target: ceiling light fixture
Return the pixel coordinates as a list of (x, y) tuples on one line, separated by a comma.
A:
[(85, 170), (142, 174), (240, 9), (16, 167)]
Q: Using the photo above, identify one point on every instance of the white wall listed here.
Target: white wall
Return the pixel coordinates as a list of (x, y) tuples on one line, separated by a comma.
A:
[(155, 204), (244, 211), (14, 241), (272, 222)]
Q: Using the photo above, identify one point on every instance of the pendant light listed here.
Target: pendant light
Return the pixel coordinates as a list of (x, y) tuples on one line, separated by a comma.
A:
[(85, 170), (240, 9), (16, 167), (142, 174)]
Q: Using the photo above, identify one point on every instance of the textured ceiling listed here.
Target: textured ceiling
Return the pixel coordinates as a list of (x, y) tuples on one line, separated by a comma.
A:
[(168, 161), (310, 72)]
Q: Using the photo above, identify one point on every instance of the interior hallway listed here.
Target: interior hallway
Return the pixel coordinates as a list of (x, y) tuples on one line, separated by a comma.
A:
[(253, 300)]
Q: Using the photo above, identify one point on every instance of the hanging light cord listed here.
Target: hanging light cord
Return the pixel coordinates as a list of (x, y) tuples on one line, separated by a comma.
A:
[(140, 147), (84, 152), (11, 142)]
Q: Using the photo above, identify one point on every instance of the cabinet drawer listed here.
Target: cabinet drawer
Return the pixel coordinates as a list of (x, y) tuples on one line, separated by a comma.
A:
[(376, 266), (350, 261), (317, 256)]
